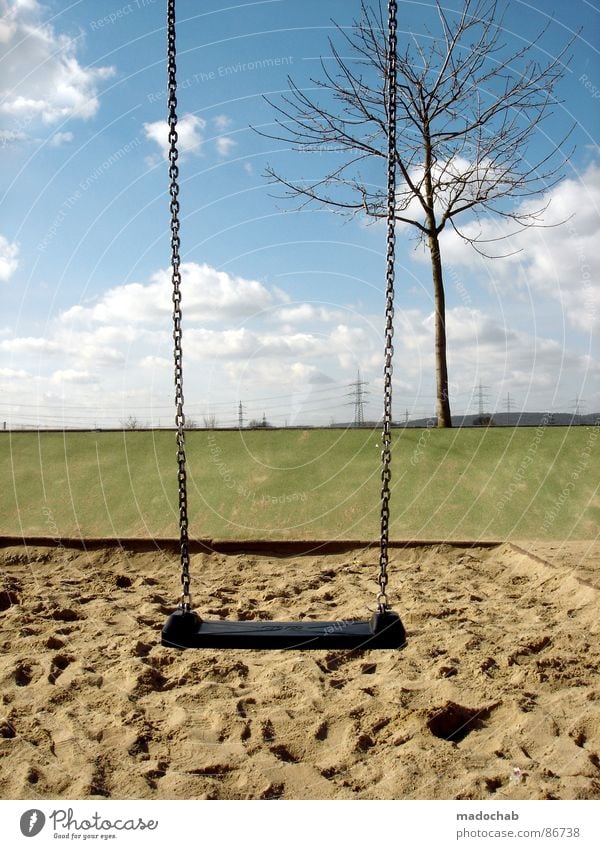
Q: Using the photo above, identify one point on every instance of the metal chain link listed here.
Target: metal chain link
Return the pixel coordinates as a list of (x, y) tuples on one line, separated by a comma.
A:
[(186, 599), (386, 436)]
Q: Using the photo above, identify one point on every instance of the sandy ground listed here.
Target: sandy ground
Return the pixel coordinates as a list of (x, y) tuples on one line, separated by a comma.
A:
[(503, 653)]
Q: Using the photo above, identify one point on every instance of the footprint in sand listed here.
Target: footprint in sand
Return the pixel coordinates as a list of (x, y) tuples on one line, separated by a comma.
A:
[(283, 753), (7, 730), (242, 704), (532, 647), (139, 747), (273, 791), (27, 672), (58, 666), (322, 731), (123, 582), (149, 681), (33, 776), (267, 731), (152, 775), (98, 784), (364, 743), (8, 598), (335, 660), (65, 614)]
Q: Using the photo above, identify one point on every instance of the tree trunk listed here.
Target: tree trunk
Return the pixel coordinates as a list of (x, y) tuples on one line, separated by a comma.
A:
[(444, 418)]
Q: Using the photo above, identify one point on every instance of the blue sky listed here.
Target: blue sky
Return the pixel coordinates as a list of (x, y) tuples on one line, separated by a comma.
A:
[(281, 307)]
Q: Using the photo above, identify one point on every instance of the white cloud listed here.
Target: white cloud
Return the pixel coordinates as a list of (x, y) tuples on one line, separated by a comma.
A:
[(153, 362), (561, 262), (475, 177), (189, 132), (296, 314), (207, 294), (222, 122), (9, 252), (302, 313), (91, 352), (281, 295), (243, 343), (42, 78), (73, 376), (483, 348), (296, 376), (224, 145), (31, 345), (242, 337), (350, 344), (8, 138), (11, 372), (58, 139)]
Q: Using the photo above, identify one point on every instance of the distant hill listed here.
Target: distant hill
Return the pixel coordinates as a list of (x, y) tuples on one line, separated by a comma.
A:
[(518, 420), (499, 420)]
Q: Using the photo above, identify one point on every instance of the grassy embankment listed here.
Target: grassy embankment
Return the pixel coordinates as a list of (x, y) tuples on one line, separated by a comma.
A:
[(499, 483)]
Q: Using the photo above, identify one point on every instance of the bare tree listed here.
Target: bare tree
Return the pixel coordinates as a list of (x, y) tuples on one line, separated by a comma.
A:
[(210, 421), (132, 423), (468, 109), (256, 424)]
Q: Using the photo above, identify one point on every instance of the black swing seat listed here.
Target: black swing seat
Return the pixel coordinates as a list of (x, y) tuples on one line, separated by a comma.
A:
[(185, 630)]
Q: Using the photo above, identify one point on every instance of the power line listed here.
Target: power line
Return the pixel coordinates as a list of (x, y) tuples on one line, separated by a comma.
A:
[(359, 393)]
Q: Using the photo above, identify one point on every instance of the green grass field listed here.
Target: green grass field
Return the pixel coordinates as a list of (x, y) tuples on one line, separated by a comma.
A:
[(504, 483)]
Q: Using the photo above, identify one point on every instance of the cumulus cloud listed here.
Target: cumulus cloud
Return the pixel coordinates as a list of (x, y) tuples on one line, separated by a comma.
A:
[(58, 139), (457, 180), (207, 294), (42, 78), (12, 372), (225, 145), (242, 337), (243, 343), (297, 376), (302, 313), (561, 262), (189, 132), (73, 376), (153, 362), (11, 138), (9, 262), (31, 345), (482, 347), (222, 122)]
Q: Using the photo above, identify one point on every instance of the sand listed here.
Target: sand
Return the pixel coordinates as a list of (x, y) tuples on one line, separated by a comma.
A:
[(502, 645)]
